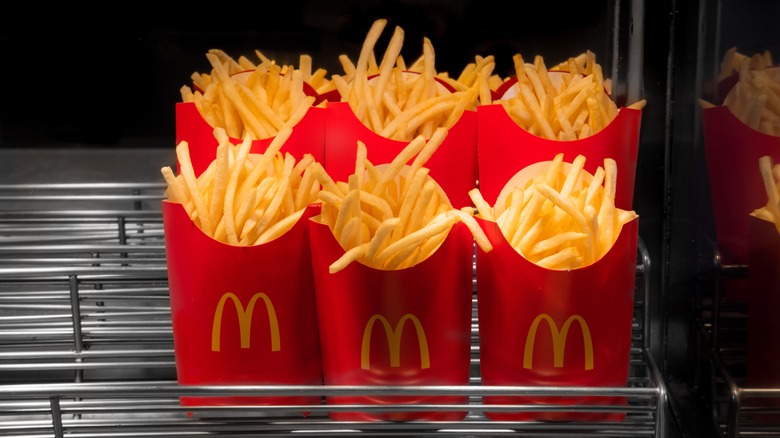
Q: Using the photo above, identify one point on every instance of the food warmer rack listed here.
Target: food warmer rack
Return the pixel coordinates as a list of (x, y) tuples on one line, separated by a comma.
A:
[(86, 345)]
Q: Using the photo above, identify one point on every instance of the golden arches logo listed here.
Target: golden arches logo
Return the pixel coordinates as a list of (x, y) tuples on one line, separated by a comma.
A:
[(245, 320), (394, 340), (559, 340)]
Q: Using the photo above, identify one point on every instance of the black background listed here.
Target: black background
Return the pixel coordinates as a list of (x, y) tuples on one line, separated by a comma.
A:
[(79, 77)]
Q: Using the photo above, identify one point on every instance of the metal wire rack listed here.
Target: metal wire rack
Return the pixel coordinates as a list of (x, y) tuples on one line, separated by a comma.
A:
[(86, 347), (738, 407)]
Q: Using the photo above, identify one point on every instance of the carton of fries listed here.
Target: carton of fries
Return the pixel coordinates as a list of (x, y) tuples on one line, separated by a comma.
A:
[(244, 98), (763, 329), (542, 112), (739, 126), (388, 104), (393, 274), (239, 272), (556, 293)]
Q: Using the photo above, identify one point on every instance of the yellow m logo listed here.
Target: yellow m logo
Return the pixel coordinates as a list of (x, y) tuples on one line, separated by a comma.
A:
[(394, 340), (244, 320), (559, 340)]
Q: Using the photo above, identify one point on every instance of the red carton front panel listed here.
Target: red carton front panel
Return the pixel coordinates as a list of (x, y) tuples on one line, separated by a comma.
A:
[(308, 136), (242, 315), (395, 328), (453, 165), (558, 328), (504, 148), (736, 188), (763, 325)]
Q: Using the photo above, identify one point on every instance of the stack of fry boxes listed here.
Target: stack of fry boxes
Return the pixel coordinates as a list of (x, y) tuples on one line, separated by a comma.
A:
[(365, 325)]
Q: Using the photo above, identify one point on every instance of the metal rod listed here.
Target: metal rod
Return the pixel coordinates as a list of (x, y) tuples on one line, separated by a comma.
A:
[(56, 416), (172, 389)]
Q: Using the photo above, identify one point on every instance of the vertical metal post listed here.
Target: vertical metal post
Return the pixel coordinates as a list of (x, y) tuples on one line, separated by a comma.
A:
[(717, 289), (636, 52), (121, 221), (646, 294), (137, 204), (735, 405), (56, 416), (75, 310), (616, 44), (122, 232)]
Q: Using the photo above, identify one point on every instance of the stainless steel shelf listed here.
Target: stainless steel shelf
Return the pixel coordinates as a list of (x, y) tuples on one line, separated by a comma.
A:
[(86, 344)]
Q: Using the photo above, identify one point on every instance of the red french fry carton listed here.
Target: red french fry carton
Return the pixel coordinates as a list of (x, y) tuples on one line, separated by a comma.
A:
[(395, 327), (308, 136), (736, 188), (453, 166), (763, 326), (242, 315), (541, 327), (504, 147)]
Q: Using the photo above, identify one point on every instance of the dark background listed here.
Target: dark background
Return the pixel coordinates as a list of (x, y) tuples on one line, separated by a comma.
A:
[(110, 76)]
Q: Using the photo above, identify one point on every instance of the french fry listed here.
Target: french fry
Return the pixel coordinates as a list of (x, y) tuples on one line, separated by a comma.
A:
[(245, 98), (563, 218), (770, 175), (244, 198), (400, 102), (401, 212), (567, 102), (755, 97)]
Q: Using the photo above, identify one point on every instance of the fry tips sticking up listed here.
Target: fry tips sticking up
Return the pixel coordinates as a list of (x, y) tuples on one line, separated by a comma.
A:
[(244, 198)]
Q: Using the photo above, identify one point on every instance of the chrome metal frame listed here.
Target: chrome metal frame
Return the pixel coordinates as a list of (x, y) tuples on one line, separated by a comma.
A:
[(87, 344)]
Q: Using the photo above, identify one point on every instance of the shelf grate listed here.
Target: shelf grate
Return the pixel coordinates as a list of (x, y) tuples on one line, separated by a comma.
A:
[(86, 346)]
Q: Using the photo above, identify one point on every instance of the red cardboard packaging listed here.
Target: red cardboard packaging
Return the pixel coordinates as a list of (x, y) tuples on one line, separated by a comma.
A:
[(736, 188), (504, 147), (763, 327), (242, 315), (395, 327), (558, 328), (308, 136), (453, 166)]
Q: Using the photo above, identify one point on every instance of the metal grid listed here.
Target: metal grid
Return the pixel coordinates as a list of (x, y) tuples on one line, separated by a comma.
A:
[(87, 347), (738, 408)]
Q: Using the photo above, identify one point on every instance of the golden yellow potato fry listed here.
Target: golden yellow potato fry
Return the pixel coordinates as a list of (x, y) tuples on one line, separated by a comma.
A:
[(568, 102), (770, 175), (400, 102), (257, 99), (244, 198), (390, 216), (754, 98), (561, 217)]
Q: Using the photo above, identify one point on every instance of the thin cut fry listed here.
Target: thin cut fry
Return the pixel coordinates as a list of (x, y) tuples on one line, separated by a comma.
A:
[(393, 216), (570, 220), (243, 198)]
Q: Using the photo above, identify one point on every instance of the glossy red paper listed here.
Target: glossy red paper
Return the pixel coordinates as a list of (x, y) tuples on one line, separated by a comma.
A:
[(242, 315), (424, 309), (504, 148), (453, 165), (736, 188), (763, 326), (308, 136), (540, 327)]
